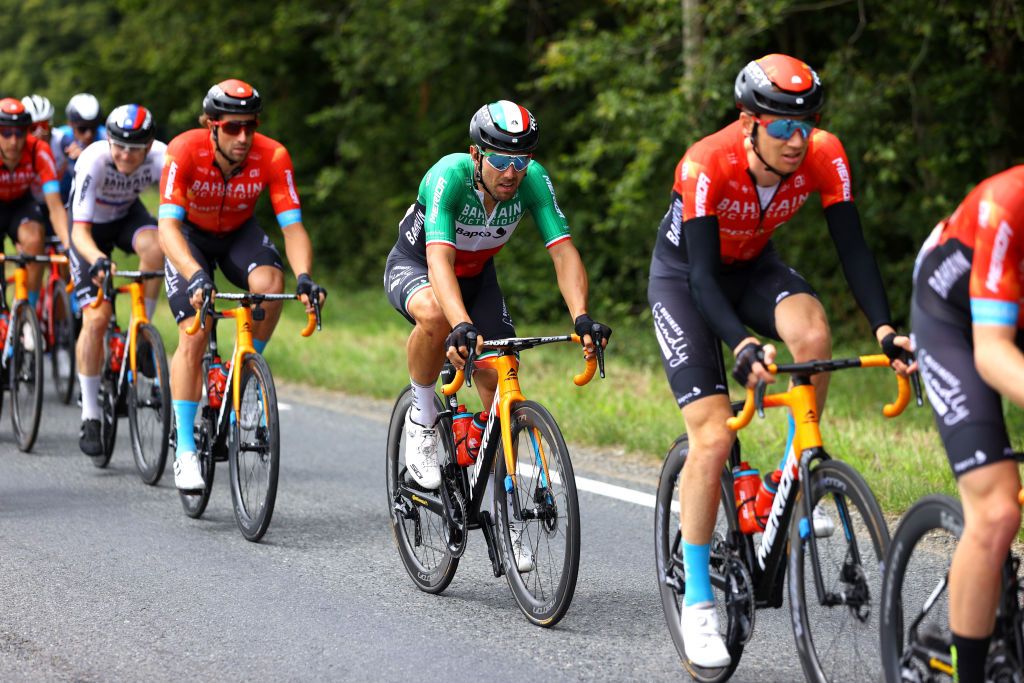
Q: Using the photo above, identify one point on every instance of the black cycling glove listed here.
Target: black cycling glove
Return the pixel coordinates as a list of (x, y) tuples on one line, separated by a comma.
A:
[(100, 265), (464, 334), (597, 331), (309, 288), (894, 352), (745, 359), (199, 280)]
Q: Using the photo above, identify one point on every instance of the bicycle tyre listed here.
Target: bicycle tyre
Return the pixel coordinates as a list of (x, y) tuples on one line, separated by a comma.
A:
[(26, 376), (422, 546), (669, 561), (254, 448), (858, 516), (61, 329), (108, 418), (557, 536), (194, 502), (933, 513), (149, 405)]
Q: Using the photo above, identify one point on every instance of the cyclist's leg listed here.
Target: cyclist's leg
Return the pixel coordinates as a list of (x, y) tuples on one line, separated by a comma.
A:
[(249, 246), (31, 236), (139, 235)]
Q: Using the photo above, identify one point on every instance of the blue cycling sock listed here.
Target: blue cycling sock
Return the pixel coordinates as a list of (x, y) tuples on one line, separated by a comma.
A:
[(260, 344), (790, 432), (698, 578), (185, 415), (33, 298)]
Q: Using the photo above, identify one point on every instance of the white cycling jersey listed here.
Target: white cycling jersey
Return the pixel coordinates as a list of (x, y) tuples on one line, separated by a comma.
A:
[(101, 193)]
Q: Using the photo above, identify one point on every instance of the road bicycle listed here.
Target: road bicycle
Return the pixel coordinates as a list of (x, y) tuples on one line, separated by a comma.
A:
[(57, 322), (533, 489), (135, 381), (21, 364), (915, 636), (250, 442), (834, 579)]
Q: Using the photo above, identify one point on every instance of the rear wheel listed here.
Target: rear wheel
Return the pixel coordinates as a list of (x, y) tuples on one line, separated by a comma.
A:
[(837, 637), (60, 330), (254, 448), (421, 535), (149, 405), (547, 538), (730, 580), (26, 376)]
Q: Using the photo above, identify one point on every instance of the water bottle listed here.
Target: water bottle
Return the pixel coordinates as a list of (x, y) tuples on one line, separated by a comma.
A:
[(766, 496), (745, 483), (460, 431), (116, 349), (4, 320), (473, 438), (216, 382)]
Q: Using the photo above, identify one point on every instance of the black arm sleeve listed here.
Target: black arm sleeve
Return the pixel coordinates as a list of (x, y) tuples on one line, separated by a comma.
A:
[(704, 251), (859, 265)]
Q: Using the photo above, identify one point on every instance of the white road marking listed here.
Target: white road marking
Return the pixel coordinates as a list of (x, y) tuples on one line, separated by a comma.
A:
[(284, 406), (602, 488)]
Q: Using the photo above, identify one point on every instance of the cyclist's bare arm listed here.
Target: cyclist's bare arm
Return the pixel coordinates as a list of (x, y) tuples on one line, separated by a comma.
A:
[(441, 273), (58, 217), (1000, 363), (176, 250)]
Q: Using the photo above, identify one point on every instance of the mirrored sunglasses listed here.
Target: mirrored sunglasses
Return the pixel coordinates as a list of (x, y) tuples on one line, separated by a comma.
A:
[(783, 129), (500, 162), (236, 127), (13, 132)]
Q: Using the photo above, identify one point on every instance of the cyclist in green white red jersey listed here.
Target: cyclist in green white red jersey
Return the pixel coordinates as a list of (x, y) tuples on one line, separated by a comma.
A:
[(715, 272), (968, 332), (440, 274)]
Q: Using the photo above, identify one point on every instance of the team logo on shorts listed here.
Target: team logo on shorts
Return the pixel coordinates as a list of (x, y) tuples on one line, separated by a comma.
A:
[(670, 336)]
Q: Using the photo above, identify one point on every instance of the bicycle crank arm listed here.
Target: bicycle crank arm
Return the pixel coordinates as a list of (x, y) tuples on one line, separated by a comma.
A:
[(423, 499)]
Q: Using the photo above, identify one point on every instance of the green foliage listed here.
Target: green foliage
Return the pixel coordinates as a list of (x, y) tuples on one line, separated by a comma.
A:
[(367, 94)]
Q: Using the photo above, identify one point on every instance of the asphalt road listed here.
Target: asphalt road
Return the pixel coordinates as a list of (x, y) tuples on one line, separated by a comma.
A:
[(104, 578)]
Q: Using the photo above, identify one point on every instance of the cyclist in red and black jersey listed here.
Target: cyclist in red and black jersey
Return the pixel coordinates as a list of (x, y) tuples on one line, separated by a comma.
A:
[(27, 160), (211, 180), (715, 272), (967, 327)]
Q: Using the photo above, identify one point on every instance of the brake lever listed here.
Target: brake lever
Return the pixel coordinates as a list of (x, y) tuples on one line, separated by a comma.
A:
[(204, 310), (316, 306), (598, 338), (915, 382), (470, 359), (759, 391)]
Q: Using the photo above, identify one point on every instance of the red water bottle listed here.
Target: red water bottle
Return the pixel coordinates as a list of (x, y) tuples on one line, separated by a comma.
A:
[(116, 349), (216, 382), (766, 496), (460, 430), (3, 327), (745, 483), (473, 438)]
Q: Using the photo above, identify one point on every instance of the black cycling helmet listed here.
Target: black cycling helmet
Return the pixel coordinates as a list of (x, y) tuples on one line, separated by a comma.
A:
[(504, 126), (131, 124), (780, 85), (232, 97), (83, 110), (13, 113)]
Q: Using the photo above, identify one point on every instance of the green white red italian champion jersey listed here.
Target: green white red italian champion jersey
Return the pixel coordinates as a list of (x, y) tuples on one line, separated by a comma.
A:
[(453, 214)]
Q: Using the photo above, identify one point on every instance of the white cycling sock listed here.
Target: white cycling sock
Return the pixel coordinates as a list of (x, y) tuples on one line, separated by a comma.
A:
[(90, 397), (424, 410)]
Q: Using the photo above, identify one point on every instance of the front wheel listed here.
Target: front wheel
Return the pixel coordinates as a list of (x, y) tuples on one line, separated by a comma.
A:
[(254, 448), (149, 405), (60, 330), (194, 502), (541, 551), (837, 631), (26, 376), (915, 636), (730, 580)]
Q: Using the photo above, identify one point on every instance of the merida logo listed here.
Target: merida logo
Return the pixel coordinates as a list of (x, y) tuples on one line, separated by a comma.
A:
[(844, 177), (703, 184), (995, 268), (172, 171), (436, 203)]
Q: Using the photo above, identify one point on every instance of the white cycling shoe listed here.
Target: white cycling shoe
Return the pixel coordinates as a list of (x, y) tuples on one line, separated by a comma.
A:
[(522, 553), (421, 454), (823, 524), (187, 476), (701, 639)]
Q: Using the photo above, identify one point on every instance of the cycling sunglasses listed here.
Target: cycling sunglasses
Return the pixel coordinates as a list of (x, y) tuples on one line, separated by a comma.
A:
[(500, 162), (13, 132), (86, 129), (783, 129), (236, 127)]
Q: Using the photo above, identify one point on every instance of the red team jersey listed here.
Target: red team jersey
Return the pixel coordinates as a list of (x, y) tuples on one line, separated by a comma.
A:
[(990, 221), (713, 180), (35, 165), (193, 188)]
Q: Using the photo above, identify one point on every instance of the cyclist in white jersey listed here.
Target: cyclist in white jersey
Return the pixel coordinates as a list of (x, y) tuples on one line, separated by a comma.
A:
[(105, 211)]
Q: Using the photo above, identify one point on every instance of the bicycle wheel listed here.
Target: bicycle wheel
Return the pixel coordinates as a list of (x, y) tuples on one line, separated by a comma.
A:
[(108, 417), (254, 448), (550, 528), (26, 376), (60, 329), (149, 405), (421, 535), (837, 638), (733, 599), (915, 637), (194, 502)]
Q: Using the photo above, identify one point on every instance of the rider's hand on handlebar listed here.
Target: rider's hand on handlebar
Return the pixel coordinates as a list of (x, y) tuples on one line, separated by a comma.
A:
[(306, 288), (197, 285), (458, 342), (99, 269), (752, 360), (590, 331), (899, 349)]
